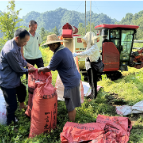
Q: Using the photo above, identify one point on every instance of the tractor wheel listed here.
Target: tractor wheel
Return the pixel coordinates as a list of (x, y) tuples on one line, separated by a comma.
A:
[(114, 75)]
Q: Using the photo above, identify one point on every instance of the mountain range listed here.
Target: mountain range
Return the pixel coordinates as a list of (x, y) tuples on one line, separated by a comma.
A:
[(61, 16)]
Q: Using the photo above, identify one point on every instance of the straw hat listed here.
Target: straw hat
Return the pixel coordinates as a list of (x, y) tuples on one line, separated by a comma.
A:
[(53, 38)]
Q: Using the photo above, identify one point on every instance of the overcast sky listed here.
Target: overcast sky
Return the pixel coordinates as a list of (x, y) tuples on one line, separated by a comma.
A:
[(114, 9)]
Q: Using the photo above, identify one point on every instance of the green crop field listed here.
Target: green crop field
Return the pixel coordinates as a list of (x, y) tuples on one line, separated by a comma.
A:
[(125, 91)]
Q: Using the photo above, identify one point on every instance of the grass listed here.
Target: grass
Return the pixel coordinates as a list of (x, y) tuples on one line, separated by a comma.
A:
[(127, 90)]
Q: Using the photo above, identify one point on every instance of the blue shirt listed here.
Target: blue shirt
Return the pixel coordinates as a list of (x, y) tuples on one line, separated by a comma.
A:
[(11, 65), (63, 62)]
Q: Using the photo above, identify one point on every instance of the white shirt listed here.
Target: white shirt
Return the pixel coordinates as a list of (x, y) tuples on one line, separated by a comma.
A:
[(93, 54)]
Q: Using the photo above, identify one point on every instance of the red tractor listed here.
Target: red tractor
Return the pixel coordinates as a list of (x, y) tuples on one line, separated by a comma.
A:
[(115, 46)]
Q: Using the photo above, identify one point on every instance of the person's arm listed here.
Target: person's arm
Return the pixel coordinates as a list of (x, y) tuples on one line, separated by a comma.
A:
[(43, 69), (14, 63), (54, 63), (88, 52), (23, 61), (29, 65)]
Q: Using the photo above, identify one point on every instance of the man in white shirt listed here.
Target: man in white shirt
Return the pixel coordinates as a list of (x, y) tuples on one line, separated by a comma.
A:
[(32, 54)]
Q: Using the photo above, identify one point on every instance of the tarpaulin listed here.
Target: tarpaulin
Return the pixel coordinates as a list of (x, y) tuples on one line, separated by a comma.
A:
[(105, 130), (126, 110)]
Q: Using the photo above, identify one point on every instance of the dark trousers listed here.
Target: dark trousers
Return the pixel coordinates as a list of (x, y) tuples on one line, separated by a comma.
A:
[(39, 62), (92, 79), (11, 100)]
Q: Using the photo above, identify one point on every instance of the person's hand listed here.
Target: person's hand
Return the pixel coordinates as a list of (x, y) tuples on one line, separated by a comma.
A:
[(32, 69), (29, 65), (40, 70), (74, 54)]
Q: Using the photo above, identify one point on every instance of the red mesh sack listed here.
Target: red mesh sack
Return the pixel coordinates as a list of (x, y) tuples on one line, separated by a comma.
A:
[(117, 128), (32, 79), (107, 129), (75, 133), (44, 109), (31, 88), (29, 108)]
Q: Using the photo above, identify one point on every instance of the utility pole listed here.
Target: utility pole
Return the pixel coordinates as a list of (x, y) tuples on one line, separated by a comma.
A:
[(85, 16), (90, 21), (90, 16)]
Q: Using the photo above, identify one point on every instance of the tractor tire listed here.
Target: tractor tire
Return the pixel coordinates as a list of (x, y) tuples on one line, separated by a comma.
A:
[(114, 75)]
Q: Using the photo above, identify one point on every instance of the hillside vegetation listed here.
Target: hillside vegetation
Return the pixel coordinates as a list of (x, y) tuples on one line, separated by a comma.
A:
[(136, 19), (57, 18), (61, 16), (48, 20)]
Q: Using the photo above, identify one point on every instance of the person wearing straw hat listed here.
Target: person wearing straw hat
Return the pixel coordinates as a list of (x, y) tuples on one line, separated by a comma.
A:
[(91, 54), (63, 62)]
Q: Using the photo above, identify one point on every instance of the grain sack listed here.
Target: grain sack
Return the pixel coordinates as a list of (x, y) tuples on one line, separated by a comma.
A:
[(32, 79), (44, 109)]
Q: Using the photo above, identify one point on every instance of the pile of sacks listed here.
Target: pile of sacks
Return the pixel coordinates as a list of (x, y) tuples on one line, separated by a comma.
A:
[(107, 129)]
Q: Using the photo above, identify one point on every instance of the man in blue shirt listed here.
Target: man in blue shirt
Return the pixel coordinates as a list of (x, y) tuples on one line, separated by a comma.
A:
[(11, 68), (63, 62)]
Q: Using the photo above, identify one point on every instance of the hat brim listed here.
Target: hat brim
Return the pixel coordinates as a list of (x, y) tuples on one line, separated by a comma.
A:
[(52, 42)]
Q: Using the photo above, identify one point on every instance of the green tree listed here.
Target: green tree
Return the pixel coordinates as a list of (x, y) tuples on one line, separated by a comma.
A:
[(55, 30), (8, 22), (92, 27), (42, 33), (81, 29)]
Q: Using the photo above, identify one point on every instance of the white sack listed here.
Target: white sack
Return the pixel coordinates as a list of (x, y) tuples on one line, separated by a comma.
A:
[(3, 117), (126, 110)]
